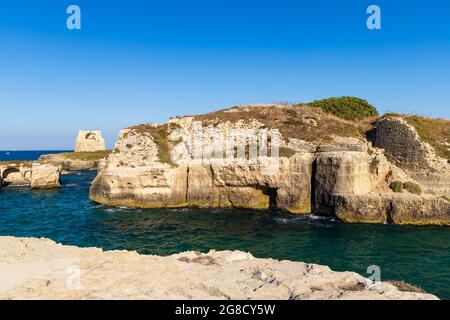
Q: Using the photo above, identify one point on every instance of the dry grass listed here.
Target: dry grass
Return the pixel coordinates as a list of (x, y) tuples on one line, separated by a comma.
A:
[(86, 156), (406, 287), (290, 120), (204, 260)]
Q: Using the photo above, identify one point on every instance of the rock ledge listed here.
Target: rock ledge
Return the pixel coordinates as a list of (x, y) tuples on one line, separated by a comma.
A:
[(42, 269)]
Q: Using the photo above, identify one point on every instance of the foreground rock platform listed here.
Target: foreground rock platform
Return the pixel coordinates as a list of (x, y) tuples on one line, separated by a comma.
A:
[(42, 269)]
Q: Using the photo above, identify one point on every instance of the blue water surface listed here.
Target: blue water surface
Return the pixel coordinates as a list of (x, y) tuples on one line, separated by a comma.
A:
[(26, 155), (418, 255)]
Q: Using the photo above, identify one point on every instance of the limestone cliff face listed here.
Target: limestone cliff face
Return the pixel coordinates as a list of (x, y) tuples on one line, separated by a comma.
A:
[(134, 175), (160, 166)]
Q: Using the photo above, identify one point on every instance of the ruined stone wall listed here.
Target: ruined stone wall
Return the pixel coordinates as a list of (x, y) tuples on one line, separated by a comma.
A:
[(404, 147), (89, 141)]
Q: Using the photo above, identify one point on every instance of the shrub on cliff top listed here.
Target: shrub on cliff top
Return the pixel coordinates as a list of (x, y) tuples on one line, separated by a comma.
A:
[(396, 186), (349, 108), (412, 187)]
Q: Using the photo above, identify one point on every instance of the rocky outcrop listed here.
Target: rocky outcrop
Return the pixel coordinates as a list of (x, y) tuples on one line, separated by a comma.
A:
[(30, 174), (134, 175), (395, 208), (175, 165), (72, 162), (209, 185), (89, 141), (42, 269), (44, 176)]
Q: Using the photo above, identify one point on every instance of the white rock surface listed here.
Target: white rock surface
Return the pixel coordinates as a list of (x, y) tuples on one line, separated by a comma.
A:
[(45, 175), (42, 269)]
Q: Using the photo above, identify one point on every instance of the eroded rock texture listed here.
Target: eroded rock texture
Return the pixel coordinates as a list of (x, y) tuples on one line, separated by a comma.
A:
[(29, 174), (404, 147), (346, 177), (42, 269)]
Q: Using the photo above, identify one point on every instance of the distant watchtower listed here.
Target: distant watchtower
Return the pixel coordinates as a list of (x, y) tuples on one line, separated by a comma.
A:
[(89, 141)]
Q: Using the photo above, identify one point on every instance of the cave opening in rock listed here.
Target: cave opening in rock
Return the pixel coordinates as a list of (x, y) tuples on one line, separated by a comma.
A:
[(272, 193), (10, 175), (90, 136)]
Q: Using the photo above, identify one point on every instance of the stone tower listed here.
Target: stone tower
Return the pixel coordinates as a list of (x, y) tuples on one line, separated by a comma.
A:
[(89, 141)]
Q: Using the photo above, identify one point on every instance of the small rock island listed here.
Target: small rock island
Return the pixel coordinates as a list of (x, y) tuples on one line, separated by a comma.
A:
[(45, 172)]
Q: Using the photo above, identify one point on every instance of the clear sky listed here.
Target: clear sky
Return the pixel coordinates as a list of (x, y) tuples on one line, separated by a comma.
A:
[(144, 61)]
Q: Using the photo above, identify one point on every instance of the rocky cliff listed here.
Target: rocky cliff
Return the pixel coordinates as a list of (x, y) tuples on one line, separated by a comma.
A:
[(297, 159), (42, 269)]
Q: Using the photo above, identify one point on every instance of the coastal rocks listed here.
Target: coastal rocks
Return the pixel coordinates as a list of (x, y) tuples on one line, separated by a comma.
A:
[(340, 173), (30, 174), (71, 162), (187, 162), (243, 186), (89, 141), (69, 272), (140, 172), (391, 208), (44, 176), (15, 174)]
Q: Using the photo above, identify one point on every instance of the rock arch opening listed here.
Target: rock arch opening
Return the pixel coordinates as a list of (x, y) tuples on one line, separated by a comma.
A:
[(272, 193), (11, 175)]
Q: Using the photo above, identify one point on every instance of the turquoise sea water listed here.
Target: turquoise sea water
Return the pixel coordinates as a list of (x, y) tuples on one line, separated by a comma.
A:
[(418, 255)]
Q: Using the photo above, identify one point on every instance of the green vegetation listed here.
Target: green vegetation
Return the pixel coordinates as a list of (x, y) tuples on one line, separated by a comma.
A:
[(412, 187), (396, 186), (129, 146), (349, 108), (86, 156)]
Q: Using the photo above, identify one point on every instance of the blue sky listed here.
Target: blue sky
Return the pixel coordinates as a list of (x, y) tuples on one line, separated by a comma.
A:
[(144, 61)]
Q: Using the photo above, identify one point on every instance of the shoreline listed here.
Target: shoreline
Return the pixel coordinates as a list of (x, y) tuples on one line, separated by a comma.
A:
[(42, 269)]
